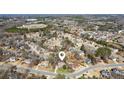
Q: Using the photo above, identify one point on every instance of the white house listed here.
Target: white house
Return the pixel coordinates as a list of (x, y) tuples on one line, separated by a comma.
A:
[(12, 59)]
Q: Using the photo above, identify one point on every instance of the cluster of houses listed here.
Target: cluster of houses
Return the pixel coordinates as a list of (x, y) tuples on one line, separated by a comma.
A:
[(34, 48), (113, 73), (105, 36)]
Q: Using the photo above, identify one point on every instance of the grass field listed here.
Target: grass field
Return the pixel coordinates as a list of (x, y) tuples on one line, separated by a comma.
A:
[(64, 71), (23, 30), (15, 29)]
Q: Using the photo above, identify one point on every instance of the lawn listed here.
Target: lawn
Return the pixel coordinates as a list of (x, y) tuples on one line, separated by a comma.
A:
[(15, 29), (63, 71), (21, 30)]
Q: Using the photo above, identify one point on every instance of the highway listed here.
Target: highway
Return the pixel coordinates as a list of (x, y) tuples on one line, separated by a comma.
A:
[(84, 70)]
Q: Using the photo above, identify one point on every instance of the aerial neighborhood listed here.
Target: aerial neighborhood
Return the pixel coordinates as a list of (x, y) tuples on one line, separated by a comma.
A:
[(92, 46)]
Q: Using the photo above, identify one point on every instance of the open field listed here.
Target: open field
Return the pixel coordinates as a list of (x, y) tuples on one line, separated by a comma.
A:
[(27, 28), (32, 26)]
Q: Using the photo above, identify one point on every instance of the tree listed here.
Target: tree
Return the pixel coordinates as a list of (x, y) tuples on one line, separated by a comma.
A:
[(92, 57), (53, 59), (82, 77), (64, 67), (60, 76), (83, 48), (4, 73), (67, 43), (66, 30), (10, 72), (1, 52), (102, 42), (55, 34), (95, 77), (43, 77), (103, 52)]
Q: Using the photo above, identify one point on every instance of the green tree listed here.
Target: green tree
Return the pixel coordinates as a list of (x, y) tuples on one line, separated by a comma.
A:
[(103, 52), (60, 76), (66, 30), (67, 43), (102, 42), (53, 59), (43, 77), (92, 57), (64, 67), (83, 48)]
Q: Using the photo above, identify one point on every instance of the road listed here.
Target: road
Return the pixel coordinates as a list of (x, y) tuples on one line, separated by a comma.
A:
[(30, 70), (74, 74), (84, 70), (39, 72)]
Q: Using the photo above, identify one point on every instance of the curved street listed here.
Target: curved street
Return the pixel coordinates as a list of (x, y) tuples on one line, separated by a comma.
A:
[(74, 74), (39, 72), (83, 70)]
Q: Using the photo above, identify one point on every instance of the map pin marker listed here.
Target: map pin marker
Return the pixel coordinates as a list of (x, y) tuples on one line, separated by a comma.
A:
[(61, 55)]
